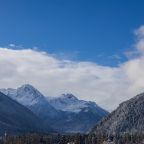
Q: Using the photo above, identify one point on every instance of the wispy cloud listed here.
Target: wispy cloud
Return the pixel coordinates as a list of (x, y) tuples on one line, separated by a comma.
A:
[(106, 85), (138, 46)]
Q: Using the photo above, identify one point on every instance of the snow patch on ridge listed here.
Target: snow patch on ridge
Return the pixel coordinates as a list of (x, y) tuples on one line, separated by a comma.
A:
[(70, 103)]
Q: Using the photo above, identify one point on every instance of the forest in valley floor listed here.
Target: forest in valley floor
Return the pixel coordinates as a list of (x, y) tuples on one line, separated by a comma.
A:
[(73, 139)]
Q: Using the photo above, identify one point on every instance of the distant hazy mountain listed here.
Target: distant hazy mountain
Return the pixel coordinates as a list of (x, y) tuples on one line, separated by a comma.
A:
[(70, 103), (15, 118), (128, 117), (82, 115), (65, 113)]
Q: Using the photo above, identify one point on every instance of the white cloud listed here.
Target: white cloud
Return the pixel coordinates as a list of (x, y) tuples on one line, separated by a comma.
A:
[(138, 50), (108, 86), (53, 77), (140, 39)]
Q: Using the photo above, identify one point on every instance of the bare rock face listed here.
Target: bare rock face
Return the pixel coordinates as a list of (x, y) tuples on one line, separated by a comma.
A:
[(127, 118)]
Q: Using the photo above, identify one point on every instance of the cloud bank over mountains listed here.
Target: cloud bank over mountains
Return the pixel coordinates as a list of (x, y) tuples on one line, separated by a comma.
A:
[(106, 85)]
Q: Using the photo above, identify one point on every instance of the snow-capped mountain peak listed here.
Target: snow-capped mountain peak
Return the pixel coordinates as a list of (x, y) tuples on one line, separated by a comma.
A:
[(69, 96), (26, 94), (70, 103), (29, 90), (27, 87)]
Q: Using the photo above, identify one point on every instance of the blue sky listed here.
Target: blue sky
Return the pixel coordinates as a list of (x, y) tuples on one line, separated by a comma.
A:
[(87, 30), (103, 41)]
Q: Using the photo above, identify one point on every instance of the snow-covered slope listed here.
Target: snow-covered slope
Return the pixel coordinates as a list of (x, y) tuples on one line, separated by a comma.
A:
[(127, 118), (70, 103)]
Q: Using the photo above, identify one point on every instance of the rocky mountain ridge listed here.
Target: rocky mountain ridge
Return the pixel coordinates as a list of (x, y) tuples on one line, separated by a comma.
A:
[(127, 118)]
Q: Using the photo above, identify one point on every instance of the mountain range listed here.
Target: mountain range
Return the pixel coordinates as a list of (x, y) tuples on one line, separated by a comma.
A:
[(64, 114), (25, 109)]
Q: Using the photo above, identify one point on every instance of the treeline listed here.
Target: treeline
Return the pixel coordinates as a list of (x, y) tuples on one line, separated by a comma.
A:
[(73, 139)]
